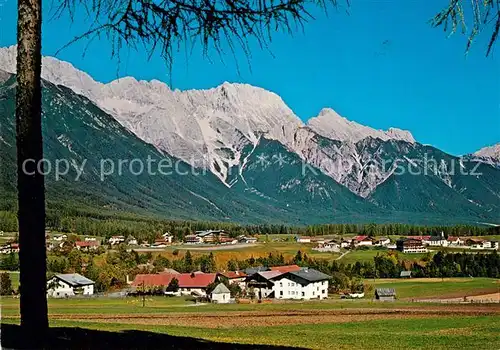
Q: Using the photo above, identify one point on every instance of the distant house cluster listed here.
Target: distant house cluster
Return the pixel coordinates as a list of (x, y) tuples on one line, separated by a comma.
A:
[(420, 244), (280, 282), (210, 237), (334, 245), (10, 247)]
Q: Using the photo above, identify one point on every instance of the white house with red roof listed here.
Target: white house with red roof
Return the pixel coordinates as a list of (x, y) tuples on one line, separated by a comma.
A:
[(362, 241), (86, 245), (455, 241)]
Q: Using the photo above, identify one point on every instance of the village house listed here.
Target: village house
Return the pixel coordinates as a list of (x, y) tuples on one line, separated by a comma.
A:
[(131, 240), (385, 294), (475, 243), (318, 240), (90, 239), (454, 241), (116, 240), (167, 237), (362, 241), (213, 236), (345, 243), (409, 245), (160, 243), (247, 239), (423, 239), (303, 239), (304, 283), (234, 277), (60, 238), (227, 240), (193, 239), (68, 285), (383, 242), (438, 241), (220, 294), (330, 246), (86, 245)]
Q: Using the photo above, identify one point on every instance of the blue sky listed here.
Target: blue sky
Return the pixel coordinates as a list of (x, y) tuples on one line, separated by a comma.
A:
[(381, 65)]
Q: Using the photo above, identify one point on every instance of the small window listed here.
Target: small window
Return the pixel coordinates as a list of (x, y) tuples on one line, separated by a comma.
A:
[(303, 294), (281, 292)]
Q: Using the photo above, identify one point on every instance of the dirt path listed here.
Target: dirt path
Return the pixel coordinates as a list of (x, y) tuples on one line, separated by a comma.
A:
[(343, 254)]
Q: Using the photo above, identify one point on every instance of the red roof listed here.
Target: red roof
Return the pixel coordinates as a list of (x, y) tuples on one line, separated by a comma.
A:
[(450, 238), (287, 268), (186, 280), (233, 274), (152, 279), (85, 243), (362, 238), (201, 280)]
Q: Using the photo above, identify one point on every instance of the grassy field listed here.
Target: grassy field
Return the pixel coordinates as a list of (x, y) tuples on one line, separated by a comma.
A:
[(420, 288), (317, 325)]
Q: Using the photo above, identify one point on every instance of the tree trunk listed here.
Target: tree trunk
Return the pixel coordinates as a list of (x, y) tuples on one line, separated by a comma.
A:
[(30, 181)]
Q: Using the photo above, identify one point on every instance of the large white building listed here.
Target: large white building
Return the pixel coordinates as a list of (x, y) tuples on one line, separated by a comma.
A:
[(68, 285), (304, 284)]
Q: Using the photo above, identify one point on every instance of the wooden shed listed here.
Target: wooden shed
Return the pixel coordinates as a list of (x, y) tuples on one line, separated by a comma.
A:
[(385, 294)]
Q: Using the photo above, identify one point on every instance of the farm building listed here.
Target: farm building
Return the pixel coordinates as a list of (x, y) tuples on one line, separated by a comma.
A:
[(67, 285), (303, 239), (385, 294), (220, 295)]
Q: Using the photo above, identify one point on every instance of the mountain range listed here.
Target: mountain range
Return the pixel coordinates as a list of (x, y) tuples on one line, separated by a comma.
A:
[(258, 161)]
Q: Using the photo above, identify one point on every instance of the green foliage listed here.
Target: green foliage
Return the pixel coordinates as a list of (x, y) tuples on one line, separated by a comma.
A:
[(5, 284), (173, 286), (10, 262)]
